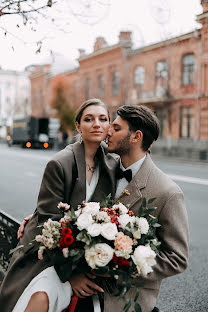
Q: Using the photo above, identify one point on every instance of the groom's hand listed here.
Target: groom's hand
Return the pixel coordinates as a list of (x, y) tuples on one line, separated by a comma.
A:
[(82, 286)]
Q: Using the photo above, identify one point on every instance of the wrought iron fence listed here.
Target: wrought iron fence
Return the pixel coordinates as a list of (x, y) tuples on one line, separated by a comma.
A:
[(8, 237)]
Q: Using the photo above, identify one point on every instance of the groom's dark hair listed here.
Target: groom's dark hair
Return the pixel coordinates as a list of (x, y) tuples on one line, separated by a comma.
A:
[(141, 118)]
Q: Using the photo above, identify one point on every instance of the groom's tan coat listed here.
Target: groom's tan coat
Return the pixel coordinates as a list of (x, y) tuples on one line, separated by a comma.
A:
[(151, 182), (58, 184)]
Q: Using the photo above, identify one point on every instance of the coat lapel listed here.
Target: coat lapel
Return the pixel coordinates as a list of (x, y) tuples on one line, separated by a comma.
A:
[(79, 189), (106, 183), (138, 183)]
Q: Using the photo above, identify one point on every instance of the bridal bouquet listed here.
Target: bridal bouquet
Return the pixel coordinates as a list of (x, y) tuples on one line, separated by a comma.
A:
[(104, 237)]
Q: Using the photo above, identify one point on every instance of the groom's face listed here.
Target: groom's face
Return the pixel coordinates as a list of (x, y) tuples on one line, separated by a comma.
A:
[(119, 137)]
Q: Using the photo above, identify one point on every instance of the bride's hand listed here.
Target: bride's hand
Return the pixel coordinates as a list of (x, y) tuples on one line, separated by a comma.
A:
[(22, 226), (82, 286)]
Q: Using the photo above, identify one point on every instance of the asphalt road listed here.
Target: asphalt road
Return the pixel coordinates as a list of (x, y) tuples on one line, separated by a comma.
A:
[(20, 177)]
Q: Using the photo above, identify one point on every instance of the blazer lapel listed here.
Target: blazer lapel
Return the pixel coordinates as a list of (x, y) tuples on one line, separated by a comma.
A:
[(79, 189), (138, 183), (106, 183)]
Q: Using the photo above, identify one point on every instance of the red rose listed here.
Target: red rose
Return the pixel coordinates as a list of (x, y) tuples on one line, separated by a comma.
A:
[(114, 219), (68, 240), (120, 261), (66, 231), (125, 263), (62, 245)]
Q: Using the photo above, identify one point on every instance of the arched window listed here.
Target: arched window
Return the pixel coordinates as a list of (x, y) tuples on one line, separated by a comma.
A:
[(162, 69), (186, 122), (139, 75), (188, 69)]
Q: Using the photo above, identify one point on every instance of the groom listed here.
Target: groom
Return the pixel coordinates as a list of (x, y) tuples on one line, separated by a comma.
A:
[(131, 135)]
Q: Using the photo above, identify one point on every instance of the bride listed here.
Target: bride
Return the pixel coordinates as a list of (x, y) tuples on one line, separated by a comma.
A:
[(82, 171)]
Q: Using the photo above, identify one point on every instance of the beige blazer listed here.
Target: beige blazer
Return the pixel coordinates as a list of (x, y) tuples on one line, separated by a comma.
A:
[(64, 180), (151, 182)]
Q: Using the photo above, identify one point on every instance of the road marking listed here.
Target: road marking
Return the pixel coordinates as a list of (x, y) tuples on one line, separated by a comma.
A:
[(31, 174), (188, 179), (27, 155)]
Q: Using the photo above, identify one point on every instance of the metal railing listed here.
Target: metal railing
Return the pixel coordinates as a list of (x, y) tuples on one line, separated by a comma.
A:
[(8, 237)]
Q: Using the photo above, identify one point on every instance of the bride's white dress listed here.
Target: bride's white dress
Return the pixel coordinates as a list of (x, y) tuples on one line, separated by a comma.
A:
[(59, 294)]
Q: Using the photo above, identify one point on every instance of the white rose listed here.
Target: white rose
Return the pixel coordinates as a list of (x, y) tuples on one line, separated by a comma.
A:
[(78, 212), (144, 259), (99, 255), (102, 216), (125, 219), (92, 208), (121, 207), (84, 221), (94, 229), (143, 225), (109, 230)]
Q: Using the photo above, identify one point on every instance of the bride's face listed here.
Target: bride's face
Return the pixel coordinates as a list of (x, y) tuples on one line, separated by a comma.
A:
[(94, 124)]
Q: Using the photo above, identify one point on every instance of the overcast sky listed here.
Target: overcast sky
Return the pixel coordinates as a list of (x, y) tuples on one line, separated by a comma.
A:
[(149, 20)]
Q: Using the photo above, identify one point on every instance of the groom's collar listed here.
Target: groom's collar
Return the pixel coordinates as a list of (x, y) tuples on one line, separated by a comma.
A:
[(138, 182), (134, 167)]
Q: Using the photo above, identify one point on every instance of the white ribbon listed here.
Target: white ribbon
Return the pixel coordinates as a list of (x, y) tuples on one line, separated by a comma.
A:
[(96, 303)]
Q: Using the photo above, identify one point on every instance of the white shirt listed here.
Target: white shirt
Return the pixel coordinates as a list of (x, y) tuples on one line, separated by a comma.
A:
[(122, 183), (90, 188)]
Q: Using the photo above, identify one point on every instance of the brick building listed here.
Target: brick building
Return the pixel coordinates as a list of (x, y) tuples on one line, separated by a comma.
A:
[(170, 76)]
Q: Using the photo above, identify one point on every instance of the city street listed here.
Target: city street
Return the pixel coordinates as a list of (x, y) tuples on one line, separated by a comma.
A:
[(20, 177)]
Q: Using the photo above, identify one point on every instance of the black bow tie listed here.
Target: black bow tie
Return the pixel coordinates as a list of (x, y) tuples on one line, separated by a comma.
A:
[(127, 174)]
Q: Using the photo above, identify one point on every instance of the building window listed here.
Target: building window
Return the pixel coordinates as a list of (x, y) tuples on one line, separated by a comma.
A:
[(115, 83), (8, 84), (161, 87), (139, 75), (188, 69), (161, 115), (87, 88), (162, 69), (186, 122), (101, 86)]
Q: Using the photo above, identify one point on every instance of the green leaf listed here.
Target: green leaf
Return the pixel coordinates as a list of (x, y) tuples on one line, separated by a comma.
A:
[(102, 270), (127, 305), (144, 202), (151, 200), (137, 295), (156, 225), (123, 292), (137, 307), (148, 211), (74, 252)]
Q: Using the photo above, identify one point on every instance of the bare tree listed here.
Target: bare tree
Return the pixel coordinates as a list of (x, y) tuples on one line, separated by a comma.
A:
[(32, 13)]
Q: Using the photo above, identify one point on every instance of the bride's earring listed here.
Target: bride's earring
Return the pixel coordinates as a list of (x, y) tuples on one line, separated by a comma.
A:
[(106, 140), (80, 138)]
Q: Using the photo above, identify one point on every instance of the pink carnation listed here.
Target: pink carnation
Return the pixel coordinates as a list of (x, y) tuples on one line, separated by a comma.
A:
[(63, 206), (123, 243), (65, 252), (40, 252)]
